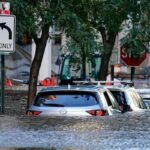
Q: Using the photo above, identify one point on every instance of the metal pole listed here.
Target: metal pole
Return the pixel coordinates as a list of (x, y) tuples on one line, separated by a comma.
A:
[(112, 72), (132, 73), (2, 82)]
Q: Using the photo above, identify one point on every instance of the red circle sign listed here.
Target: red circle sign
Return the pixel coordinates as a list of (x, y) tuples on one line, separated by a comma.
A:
[(131, 61)]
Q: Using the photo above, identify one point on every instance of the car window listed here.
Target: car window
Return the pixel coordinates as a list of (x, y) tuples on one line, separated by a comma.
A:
[(107, 99), (66, 99), (137, 100), (110, 102), (119, 96), (113, 100)]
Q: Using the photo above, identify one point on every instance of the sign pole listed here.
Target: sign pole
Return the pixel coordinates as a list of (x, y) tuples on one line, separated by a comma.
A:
[(112, 72), (4, 10), (2, 82), (132, 73)]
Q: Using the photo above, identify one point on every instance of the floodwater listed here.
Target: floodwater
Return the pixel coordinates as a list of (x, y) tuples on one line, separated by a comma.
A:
[(125, 131), (20, 132)]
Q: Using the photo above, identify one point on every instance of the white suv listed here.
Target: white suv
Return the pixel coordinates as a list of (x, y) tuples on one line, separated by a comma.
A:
[(128, 96)]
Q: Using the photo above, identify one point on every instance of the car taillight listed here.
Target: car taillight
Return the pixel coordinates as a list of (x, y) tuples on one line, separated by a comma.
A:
[(97, 112), (33, 113)]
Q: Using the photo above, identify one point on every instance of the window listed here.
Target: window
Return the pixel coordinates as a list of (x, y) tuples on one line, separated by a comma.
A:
[(110, 101), (120, 97), (107, 99), (66, 99), (137, 100)]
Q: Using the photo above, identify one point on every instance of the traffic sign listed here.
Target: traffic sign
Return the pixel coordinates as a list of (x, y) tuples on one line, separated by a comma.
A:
[(7, 33), (131, 61), (5, 8)]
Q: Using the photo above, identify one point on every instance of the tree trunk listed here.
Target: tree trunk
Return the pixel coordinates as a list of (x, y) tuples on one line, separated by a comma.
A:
[(108, 45), (35, 66), (83, 65), (104, 66)]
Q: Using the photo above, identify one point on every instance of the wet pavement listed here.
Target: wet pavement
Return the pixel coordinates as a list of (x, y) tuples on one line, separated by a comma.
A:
[(19, 132)]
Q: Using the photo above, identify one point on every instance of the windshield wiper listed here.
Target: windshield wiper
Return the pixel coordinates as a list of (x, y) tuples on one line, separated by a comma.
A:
[(55, 105)]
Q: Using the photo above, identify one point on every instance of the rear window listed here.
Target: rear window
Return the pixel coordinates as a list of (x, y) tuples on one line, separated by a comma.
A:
[(66, 99)]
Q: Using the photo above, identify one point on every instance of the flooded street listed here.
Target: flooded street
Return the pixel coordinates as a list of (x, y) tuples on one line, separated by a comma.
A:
[(115, 132), (19, 132)]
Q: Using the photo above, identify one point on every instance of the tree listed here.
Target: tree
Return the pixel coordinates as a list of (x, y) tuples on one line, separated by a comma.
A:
[(108, 16), (35, 18), (103, 16), (139, 33), (83, 41)]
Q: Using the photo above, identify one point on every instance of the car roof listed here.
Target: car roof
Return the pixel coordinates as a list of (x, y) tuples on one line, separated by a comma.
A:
[(88, 88), (124, 88)]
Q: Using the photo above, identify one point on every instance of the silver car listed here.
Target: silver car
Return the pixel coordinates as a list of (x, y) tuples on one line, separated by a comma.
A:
[(128, 97), (74, 101), (145, 94)]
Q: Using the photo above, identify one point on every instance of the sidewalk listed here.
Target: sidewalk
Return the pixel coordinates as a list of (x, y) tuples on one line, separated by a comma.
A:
[(23, 87)]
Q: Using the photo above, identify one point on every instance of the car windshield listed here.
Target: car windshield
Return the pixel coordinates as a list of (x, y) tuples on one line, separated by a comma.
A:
[(66, 99), (137, 100)]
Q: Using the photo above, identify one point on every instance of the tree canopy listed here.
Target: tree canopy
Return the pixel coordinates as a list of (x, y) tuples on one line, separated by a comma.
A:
[(110, 17), (80, 20)]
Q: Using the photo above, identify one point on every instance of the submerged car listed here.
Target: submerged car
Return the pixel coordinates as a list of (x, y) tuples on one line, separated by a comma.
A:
[(128, 97), (74, 101), (145, 94)]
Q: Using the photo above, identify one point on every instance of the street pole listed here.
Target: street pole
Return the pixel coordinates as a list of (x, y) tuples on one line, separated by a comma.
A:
[(5, 6), (132, 73), (112, 72), (2, 82)]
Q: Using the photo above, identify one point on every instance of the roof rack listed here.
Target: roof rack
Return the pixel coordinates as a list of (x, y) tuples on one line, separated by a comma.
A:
[(111, 83)]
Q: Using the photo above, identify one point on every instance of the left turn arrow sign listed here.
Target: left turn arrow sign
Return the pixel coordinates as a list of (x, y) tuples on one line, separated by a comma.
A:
[(3, 25)]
